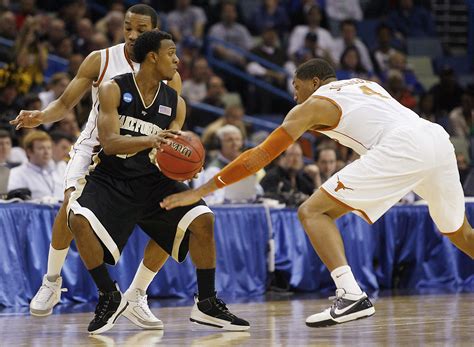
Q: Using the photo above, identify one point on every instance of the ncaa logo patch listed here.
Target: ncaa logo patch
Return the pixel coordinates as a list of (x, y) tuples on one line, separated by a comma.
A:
[(127, 97)]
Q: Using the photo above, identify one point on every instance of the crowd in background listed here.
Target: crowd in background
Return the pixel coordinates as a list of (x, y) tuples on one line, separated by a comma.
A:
[(283, 32)]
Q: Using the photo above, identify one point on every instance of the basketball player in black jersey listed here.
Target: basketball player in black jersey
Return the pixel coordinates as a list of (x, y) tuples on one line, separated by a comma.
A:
[(124, 187)]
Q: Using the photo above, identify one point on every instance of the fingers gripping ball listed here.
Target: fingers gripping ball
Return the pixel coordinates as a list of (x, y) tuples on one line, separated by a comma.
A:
[(183, 158)]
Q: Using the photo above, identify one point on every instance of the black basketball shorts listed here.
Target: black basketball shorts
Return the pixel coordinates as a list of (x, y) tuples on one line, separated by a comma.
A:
[(114, 207)]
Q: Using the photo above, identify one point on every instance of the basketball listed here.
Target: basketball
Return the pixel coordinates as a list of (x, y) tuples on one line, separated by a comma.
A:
[(183, 158)]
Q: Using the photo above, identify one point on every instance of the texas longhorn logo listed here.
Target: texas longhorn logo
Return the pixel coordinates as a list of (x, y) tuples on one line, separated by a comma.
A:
[(341, 185)]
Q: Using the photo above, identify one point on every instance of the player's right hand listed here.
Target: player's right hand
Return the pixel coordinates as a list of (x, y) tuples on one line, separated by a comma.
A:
[(27, 119), (162, 138)]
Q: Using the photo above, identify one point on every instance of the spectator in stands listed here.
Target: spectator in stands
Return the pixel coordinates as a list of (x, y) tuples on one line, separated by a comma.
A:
[(233, 114), (186, 21), (271, 51), (8, 29), (463, 166), (426, 110), (98, 41), (326, 161), (215, 92), (194, 89), (8, 103), (188, 53), (297, 37), (385, 47), (462, 117), (230, 31), (339, 10), (30, 53), (351, 66), (270, 14), (65, 48), (288, 182), (56, 87), (38, 174), (5, 164), (23, 10), (68, 125), (5, 149), (230, 147), (111, 26), (349, 38), (411, 21), (75, 61), (56, 31), (395, 85), (447, 92), (62, 144), (84, 32), (398, 61), (298, 58), (71, 11)]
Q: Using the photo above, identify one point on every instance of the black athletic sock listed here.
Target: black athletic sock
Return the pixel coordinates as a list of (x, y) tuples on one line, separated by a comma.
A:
[(102, 279), (205, 283)]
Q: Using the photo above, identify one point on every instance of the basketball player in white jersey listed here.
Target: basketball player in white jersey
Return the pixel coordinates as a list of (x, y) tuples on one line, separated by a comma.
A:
[(400, 152), (99, 66)]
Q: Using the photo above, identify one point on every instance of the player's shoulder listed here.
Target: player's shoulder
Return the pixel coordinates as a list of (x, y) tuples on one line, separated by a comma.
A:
[(109, 88)]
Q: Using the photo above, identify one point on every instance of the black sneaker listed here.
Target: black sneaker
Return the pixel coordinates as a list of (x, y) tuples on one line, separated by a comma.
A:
[(213, 312), (109, 308), (346, 307)]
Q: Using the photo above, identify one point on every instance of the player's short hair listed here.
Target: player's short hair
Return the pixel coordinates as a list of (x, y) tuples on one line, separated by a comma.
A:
[(146, 11), (316, 67), (36, 135), (149, 42)]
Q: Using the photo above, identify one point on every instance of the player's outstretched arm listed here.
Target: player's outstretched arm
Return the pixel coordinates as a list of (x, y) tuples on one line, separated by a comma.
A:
[(88, 72), (108, 126), (313, 113)]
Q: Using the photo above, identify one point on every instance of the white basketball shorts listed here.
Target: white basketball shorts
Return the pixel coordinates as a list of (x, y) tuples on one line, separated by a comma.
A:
[(78, 165), (417, 158)]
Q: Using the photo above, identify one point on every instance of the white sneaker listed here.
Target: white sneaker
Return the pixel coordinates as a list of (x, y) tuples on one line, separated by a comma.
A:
[(47, 297), (138, 311), (346, 307)]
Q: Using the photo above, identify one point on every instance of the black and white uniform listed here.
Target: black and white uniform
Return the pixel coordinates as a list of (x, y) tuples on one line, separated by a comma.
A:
[(122, 191)]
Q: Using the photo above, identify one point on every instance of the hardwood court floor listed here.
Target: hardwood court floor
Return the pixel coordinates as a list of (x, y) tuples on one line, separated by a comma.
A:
[(423, 320)]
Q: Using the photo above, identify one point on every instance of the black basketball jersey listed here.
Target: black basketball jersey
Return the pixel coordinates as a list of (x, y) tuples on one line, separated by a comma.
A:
[(138, 120)]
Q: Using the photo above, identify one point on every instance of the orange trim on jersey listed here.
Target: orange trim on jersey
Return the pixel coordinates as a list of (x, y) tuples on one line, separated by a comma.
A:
[(101, 77), (335, 104), (353, 139), (366, 217)]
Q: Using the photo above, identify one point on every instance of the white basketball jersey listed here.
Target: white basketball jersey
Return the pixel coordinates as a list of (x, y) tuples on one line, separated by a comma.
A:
[(368, 113), (113, 62)]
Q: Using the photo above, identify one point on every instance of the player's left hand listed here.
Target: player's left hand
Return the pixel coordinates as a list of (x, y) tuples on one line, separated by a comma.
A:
[(186, 198)]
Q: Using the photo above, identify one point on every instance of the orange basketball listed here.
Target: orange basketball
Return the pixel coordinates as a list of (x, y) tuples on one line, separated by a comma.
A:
[(183, 158)]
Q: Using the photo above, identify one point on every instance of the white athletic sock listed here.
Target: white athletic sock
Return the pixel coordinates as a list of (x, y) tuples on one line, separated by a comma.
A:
[(56, 258), (344, 279), (142, 278)]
